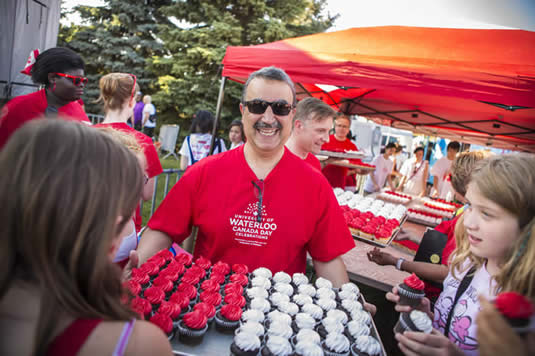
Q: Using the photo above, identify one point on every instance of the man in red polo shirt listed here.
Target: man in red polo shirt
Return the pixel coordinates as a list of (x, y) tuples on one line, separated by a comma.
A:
[(259, 204), (338, 142), (312, 122)]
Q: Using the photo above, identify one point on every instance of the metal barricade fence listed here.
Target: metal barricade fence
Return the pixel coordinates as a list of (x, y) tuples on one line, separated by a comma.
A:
[(161, 187), (95, 119)]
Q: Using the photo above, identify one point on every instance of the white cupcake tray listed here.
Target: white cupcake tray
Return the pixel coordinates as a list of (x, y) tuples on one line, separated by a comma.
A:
[(354, 155)]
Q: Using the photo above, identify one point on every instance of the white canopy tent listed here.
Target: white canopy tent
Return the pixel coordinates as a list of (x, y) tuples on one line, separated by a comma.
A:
[(25, 25)]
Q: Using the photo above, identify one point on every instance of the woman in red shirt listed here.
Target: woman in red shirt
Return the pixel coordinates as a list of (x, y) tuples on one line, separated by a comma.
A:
[(61, 71)]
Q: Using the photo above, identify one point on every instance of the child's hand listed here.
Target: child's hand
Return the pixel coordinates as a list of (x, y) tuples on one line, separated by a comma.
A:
[(425, 304), (133, 262), (434, 344)]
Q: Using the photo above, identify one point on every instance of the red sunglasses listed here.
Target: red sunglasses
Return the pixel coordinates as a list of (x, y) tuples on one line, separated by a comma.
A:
[(76, 80), (134, 86)]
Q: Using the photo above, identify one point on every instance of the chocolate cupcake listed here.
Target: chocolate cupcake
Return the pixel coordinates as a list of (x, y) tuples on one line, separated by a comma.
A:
[(213, 298), (325, 293), (313, 310), (141, 306), (338, 315), (228, 317), (307, 348), (245, 344), (277, 298), (307, 289), (516, 309), (221, 268), (361, 316), (299, 279), (260, 282), (354, 329), (335, 344), (253, 315), (252, 327), (366, 345), (303, 321), (262, 272), (182, 300), (240, 268), (414, 321), (151, 269), (288, 308), (260, 304), (203, 262), (323, 283), (233, 287), (184, 258), (277, 316), (189, 290), (192, 327), (158, 261), (411, 291), (256, 292), (351, 306), (218, 278), (155, 296), (239, 278), (192, 277), (165, 284), (282, 277), (302, 299), (210, 285), (165, 323), (308, 335), (326, 304), (170, 309), (284, 288), (208, 310), (140, 277), (329, 325), (132, 287), (277, 346), (235, 299)]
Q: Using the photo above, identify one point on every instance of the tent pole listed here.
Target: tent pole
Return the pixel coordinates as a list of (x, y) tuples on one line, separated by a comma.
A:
[(218, 112)]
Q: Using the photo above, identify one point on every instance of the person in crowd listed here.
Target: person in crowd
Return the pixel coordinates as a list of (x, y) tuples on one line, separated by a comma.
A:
[(383, 169), (336, 175), (117, 96), (61, 71), (149, 116), (312, 122), (138, 111), (461, 170), (196, 146), (497, 337), (59, 290), (415, 171), (494, 253), (441, 173), (274, 207), (235, 134)]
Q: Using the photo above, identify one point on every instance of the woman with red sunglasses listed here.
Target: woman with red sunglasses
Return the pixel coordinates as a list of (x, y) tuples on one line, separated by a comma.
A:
[(61, 72)]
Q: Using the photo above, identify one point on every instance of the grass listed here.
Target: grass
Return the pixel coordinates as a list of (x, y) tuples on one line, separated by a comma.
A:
[(169, 162)]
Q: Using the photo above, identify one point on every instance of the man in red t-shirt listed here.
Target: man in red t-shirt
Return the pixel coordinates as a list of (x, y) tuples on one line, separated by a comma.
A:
[(336, 175), (258, 204), (312, 122)]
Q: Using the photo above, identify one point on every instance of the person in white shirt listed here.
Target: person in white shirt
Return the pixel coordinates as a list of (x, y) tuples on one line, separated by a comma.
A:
[(196, 146), (383, 169), (415, 171), (149, 116), (441, 173)]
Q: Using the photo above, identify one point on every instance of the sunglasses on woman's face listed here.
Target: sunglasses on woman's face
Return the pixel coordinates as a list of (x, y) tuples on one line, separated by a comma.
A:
[(259, 106), (76, 80)]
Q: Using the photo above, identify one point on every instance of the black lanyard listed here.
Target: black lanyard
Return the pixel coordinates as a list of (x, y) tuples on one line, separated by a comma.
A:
[(465, 282)]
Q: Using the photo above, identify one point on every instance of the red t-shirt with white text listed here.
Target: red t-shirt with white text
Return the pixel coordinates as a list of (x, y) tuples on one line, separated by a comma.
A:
[(299, 213), (336, 175)]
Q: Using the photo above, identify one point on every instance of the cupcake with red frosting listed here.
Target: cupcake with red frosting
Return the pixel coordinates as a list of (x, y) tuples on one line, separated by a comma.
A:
[(182, 300), (192, 277), (150, 268), (235, 299), (164, 284), (234, 288), (213, 298), (170, 309), (217, 277), (141, 306), (210, 285), (411, 291), (207, 309), (155, 295), (133, 287), (221, 268), (228, 317), (239, 278), (203, 262), (166, 255), (158, 261), (140, 277), (184, 258), (165, 323), (188, 290), (516, 309), (192, 327)]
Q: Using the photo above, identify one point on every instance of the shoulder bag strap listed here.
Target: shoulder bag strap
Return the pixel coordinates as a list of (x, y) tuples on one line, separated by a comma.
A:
[(193, 160), (465, 282)]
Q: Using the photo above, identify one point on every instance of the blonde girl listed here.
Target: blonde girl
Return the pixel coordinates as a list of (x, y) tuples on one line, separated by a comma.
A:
[(59, 290), (495, 252)]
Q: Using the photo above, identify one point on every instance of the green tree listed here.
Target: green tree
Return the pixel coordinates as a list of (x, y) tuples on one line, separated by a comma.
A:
[(197, 45), (121, 36)]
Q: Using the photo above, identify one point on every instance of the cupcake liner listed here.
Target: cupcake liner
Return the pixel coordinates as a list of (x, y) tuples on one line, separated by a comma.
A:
[(226, 326), (411, 295), (191, 336), (236, 351), (400, 326), (172, 335), (328, 352), (184, 311)]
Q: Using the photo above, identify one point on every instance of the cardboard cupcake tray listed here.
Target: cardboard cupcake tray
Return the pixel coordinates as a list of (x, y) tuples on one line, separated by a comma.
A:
[(353, 166), (379, 243), (217, 343)]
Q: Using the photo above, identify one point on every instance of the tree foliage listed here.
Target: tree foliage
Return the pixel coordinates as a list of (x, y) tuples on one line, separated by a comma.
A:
[(177, 52)]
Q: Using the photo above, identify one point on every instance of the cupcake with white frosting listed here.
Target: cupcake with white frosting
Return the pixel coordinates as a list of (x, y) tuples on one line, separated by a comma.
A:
[(252, 315), (280, 328), (277, 346), (245, 344), (277, 316), (261, 282), (301, 299), (256, 292), (366, 345), (277, 298), (252, 327), (303, 321), (299, 279), (313, 310), (414, 321), (288, 308), (306, 335), (347, 295), (282, 277), (351, 306), (326, 304), (260, 304), (329, 325), (323, 283), (284, 288), (336, 344), (307, 289), (307, 348), (262, 272), (338, 315), (354, 329), (361, 316), (324, 292)]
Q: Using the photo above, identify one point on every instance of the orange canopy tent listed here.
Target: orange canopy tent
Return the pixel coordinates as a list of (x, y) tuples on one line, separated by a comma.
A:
[(477, 86)]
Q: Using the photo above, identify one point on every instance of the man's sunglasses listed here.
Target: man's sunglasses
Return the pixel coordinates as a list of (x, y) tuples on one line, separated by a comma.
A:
[(259, 106), (76, 80)]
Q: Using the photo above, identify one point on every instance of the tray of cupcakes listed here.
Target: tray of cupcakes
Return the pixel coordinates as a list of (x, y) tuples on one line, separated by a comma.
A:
[(222, 309)]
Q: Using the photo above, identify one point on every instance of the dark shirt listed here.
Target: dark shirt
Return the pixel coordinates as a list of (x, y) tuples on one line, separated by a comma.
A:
[(138, 112)]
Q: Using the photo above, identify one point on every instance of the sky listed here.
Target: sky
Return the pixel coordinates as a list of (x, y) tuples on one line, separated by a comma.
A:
[(424, 13)]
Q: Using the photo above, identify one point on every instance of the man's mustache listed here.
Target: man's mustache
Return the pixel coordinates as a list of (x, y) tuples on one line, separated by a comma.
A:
[(262, 125)]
